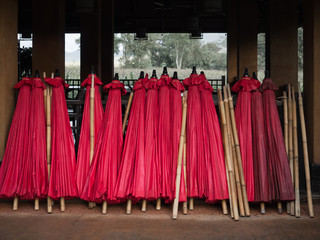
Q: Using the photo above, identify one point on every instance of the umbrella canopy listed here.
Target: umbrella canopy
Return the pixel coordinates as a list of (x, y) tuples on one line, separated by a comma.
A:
[(216, 187), (195, 151), (17, 145), (153, 176), (260, 165), (164, 138), (243, 122), (33, 181), (103, 172), (281, 186), (83, 158), (63, 160), (175, 119), (132, 172)]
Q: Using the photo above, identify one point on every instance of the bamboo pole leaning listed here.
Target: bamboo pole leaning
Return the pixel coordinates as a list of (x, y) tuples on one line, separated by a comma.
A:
[(305, 154), (238, 153), (185, 204), (226, 144), (286, 130), (180, 155), (290, 136), (295, 155)]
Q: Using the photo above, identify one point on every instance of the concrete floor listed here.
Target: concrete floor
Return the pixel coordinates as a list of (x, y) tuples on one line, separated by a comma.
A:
[(205, 222)]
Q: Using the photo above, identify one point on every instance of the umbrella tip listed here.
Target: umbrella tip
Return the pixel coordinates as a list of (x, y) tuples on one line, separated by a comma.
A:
[(154, 74), (194, 70), (165, 71), (266, 74), (202, 72), (116, 76), (141, 75), (92, 70), (175, 75), (254, 76), (246, 73), (57, 73), (36, 74)]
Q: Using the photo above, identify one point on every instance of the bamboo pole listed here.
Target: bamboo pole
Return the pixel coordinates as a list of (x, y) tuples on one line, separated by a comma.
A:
[(238, 153), (290, 143), (191, 205), (233, 154), (104, 207), (180, 155), (305, 154), (62, 204), (15, 204), (185, 204), (279, 206), (295, 155), (126, 115), (286, 131), (144, 205), (158, 205), (129, 206), (228, 157)]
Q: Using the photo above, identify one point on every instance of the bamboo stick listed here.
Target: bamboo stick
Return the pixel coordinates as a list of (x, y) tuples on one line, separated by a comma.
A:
[(36, 204), (224, 207), (233, 154), (295, 155), (144, 205), (129, 206), (180, 155), (228, 157), (238, 153), (191, 206), (290, 143), (104, 207), (262, 208), (158, 204), (305, 154), (185, 204), (286, 132), (62, 204), (279, 206), (126, 115), (15, 204)]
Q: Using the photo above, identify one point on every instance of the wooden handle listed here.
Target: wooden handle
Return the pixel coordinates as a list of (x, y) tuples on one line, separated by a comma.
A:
[(15, 204), (126, 115), (104, 207), (92, 90), (129, 206), (144, 205), (305, 154), (62, 204)]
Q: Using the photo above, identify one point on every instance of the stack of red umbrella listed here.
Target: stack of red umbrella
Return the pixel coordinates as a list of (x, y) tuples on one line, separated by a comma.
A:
[(83, 158), (16, 152), (216, 187), (62, 177), (131, 179), (244, 127), (102, 177), (33, 183), (280, 181)]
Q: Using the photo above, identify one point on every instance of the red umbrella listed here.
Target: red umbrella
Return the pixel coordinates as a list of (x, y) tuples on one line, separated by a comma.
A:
[(17, 145), (63, 160), (260, 165), (132, 172), (195, 145), (243, 122), (164, 137), (153, 176), (83, 158), (33, 181), (216, 182), (175, 119), (281, 186), (103, 172)]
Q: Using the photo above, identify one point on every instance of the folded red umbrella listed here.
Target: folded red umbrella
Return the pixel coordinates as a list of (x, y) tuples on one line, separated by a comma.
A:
[(260, 165), (17, 145), (164, 138), (216, 187), (105, 164), (63, 160), (196, 167), (153, 168), (175, 119), (83, 157), (33, 181), (281, 186), (243, 122), (132, 172)]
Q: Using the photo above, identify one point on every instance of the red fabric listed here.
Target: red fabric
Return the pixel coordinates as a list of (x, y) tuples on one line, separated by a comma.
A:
[(175, 120), (33, 181), (105, 164), (281, 186), (216, 187), (243, 122), (164, 138), (132, 172), (195, 150), (63, 160), (83, 158), (17, 144), (153, 177), (260, 165)]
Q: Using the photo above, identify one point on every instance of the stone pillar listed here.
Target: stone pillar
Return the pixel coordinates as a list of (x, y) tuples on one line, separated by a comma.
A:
[(311, 82), (48, 26), (242, 38), (283, 29), (8, 66)]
